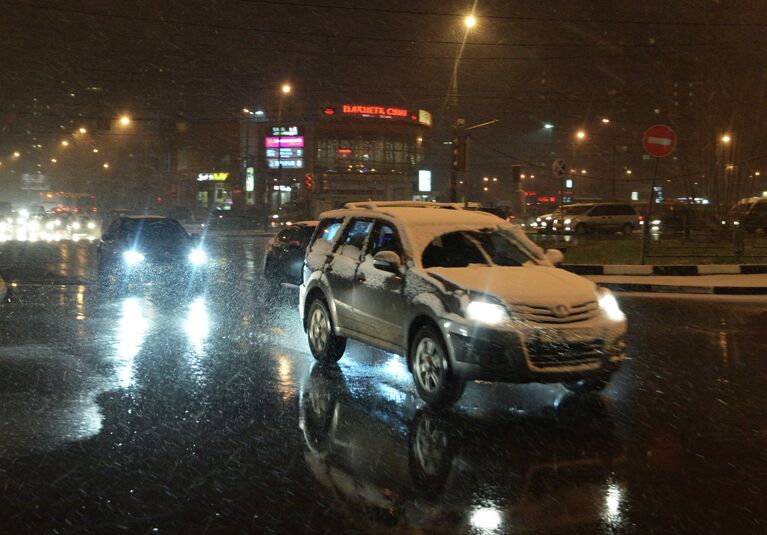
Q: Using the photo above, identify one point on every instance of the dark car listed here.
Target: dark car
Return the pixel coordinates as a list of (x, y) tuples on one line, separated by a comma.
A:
[(138, 248), (284, 255)]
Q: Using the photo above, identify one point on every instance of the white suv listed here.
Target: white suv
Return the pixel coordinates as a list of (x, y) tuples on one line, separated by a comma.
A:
[(463, 295)]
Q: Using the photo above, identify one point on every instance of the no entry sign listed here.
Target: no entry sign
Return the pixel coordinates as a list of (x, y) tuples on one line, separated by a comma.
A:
[(659, 141)]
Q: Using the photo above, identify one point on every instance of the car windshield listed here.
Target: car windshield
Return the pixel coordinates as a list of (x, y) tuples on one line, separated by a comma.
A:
[(151, 231), (464, 248)]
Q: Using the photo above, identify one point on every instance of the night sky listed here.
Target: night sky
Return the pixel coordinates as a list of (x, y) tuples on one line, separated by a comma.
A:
[(697, 65)]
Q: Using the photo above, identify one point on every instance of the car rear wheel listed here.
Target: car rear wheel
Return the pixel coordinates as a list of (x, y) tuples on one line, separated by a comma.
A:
[(581, 229), (325, 345), (434, 380), (628, 228), (584, 386)]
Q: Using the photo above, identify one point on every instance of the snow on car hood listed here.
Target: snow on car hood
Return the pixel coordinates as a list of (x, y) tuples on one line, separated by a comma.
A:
[(529, 285)]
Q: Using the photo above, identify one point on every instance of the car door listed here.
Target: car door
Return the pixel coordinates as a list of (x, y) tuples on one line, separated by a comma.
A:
[(599, 218), (379, 300), (341, 270)]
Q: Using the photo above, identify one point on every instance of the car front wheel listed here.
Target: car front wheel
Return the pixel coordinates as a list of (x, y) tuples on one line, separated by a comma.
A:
[(326, 346), (434, 380), (581, 229)]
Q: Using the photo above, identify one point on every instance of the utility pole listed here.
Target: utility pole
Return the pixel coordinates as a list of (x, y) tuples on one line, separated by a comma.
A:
[(459, 154)]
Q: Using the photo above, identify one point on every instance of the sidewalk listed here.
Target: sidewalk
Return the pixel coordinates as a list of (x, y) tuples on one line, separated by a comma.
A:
[(700, 284)]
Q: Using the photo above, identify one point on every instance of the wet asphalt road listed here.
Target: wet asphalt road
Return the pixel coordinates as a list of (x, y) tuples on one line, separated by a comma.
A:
[(206, 414)]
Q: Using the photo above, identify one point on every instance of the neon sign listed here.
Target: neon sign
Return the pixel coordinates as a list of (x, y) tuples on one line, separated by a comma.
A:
[(212, 177), (373, 111), (284, 141)]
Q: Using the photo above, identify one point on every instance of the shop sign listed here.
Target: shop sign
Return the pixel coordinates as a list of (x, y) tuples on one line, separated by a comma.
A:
[(212, 177), (284, 141), (424, 180), (373, 111), (286, 164), (424, 117)]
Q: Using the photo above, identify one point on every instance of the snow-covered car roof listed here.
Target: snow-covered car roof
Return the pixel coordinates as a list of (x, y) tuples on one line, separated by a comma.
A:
[(420, 225)]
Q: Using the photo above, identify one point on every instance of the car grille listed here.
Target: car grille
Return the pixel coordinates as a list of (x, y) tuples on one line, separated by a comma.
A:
[(545, 314), (561, 354)]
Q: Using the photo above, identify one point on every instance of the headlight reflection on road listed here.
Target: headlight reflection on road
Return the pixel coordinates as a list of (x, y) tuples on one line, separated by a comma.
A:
[(611, 512), (197, 324), (132, 330)]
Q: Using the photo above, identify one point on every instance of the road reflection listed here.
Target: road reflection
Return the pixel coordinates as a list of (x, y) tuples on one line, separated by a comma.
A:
[(397, 465)]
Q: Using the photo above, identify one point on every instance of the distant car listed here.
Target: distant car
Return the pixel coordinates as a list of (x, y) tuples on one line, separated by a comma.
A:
[(603, 217), (82, 227), (284, 257), (546, 223), (751, 216), (463, 295), (141, 248)]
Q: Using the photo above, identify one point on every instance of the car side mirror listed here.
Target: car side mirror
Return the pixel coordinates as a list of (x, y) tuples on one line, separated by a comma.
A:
[(387, 261), (555, 256)]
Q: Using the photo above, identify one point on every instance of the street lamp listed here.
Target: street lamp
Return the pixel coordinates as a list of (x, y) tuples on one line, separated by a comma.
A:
[(65, 143), (82, 130), (106, 165), (605, 120), (581, 134), (286, 89), (54, 160), (470, 21), (125, 120), (726, 138), (16, 154), (548, 126)]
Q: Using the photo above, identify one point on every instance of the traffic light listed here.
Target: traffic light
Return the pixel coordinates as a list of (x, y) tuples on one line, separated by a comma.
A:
[(459, 151), (308, 181)]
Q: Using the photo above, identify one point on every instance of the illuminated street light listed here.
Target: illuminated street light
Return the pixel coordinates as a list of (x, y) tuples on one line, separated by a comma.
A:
[(17, 154), (581, 134), (470, 21), (124, 120), (485, 179), (726, 138), (95, 150), (730, 167), (583, 171), (65, 143), (106, 165), (605, 120), (286, 89), (82, 130), (54, 160), (548, 126), (628, 171), (245, 110), (757, 173)]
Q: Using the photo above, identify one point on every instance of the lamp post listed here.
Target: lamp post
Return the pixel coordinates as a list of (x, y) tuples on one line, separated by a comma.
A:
[(469, 22)]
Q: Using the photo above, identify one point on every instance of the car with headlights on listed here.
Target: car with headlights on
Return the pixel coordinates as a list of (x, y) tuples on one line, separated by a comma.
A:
[(147, 249), (463, 295)]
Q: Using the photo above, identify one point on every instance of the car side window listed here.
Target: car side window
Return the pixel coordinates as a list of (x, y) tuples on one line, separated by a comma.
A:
[(326, 233), (384, 238), (624, 209), (354, 237), (599, 211)]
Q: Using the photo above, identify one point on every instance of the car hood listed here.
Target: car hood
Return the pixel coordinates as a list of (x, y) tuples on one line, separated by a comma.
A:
[(529, 285)]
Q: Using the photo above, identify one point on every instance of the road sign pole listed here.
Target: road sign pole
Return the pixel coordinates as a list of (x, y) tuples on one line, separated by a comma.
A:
[(648, 216)]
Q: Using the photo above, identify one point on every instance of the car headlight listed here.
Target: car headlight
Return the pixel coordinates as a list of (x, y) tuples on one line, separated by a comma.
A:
[(568, 221), (91, 225), (76, 225), (133, 257), (57, 222), (484, 312), (198, 257), (609, 305), (656, 221)]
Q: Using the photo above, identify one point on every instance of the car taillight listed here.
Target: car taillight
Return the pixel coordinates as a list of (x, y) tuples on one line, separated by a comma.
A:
[(641, 218)]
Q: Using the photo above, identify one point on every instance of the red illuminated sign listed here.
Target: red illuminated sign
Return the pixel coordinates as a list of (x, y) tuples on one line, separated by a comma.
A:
[(373, 111), (329, 111)]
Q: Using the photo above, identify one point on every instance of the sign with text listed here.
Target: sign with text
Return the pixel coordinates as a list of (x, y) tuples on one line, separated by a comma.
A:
[(284, 141), (424, 180), (250, 179), (212, 177), (282, 131)]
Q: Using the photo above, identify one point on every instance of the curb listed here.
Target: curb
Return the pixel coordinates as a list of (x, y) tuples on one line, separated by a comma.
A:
[(675, 270), (693, 290)]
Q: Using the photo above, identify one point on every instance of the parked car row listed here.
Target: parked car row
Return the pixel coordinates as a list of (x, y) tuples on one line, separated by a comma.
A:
[(462, 295)]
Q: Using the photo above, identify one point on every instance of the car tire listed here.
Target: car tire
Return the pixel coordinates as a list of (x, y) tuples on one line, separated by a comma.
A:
[(627, 229), (586, 386), (435, 382), (581, 229), (431, 452), (325, 345)]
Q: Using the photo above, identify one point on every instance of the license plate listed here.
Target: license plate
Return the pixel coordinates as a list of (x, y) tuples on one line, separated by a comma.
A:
[(564, 335)]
